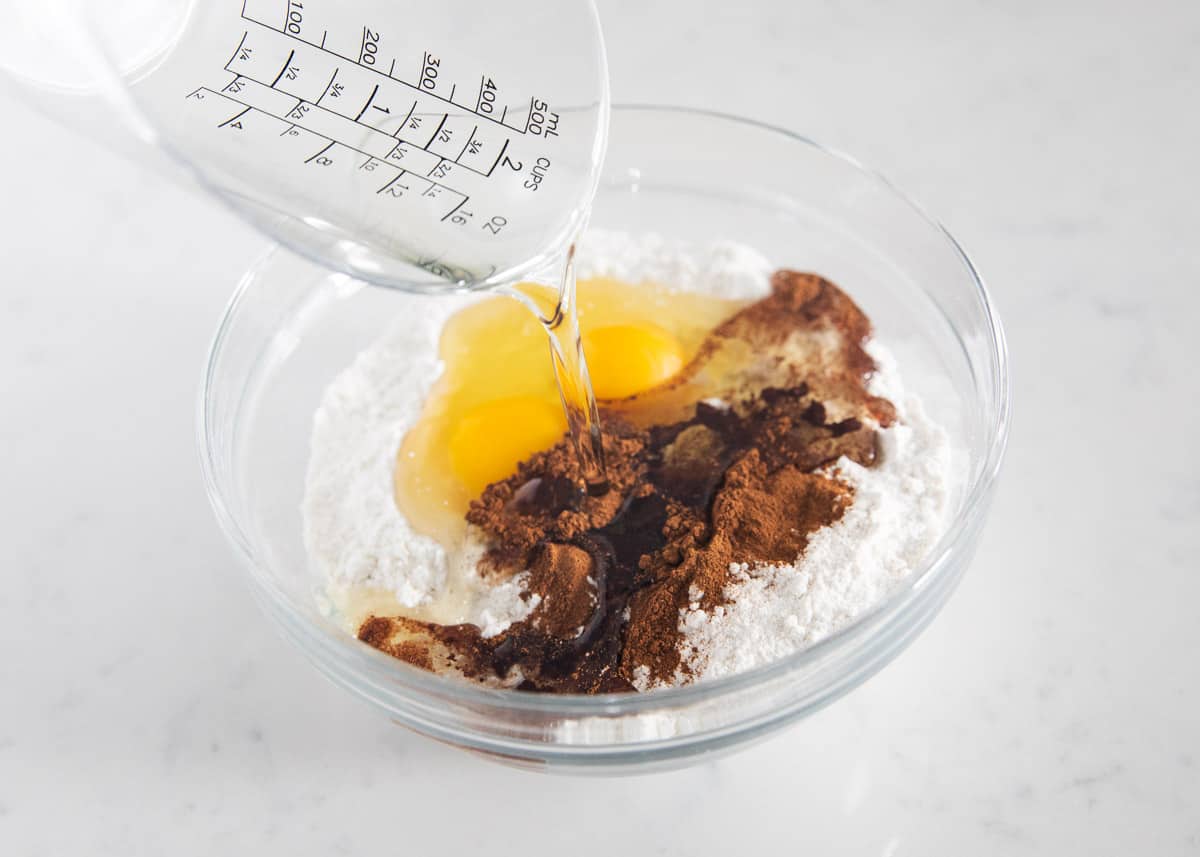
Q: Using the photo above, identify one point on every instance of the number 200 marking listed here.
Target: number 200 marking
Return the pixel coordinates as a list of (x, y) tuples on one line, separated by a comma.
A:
[(370, 46)]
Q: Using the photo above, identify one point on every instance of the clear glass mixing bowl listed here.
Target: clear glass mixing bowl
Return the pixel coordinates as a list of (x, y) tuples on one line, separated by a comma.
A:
[(291, 327)]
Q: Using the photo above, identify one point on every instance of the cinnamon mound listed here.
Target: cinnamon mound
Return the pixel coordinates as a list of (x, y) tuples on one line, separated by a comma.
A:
[(695, 487)]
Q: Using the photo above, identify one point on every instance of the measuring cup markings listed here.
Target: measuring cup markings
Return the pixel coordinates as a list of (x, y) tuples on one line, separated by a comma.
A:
[(299, 99), (539, 119)]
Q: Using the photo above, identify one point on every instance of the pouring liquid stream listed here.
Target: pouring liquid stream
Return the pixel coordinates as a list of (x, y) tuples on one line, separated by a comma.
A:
[(560, 318)]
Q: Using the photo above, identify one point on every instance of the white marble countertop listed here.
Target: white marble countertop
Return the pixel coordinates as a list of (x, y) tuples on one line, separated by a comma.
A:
[(1052, 708)]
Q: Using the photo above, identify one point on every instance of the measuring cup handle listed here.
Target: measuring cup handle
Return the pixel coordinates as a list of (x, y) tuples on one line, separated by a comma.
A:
[(50, 60)]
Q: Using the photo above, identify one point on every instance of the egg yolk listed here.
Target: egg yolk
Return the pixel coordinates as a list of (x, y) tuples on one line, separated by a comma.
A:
[(491, 439), (627, 359)]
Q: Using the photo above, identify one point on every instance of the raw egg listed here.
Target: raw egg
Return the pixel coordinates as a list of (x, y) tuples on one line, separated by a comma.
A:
[(627, 359), (496, 402), (491, 439)]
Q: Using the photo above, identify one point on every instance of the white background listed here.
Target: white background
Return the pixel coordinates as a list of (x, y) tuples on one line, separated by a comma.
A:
[(1052, 708)]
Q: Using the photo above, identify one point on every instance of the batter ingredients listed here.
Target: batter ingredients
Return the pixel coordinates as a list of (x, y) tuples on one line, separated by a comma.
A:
[(763, 496)]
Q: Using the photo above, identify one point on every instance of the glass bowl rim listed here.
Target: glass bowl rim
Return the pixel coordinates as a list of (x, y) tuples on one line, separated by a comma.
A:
[(419, 681)]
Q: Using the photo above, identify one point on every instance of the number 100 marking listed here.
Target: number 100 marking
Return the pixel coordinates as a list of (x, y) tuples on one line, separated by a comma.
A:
[(295, 16)]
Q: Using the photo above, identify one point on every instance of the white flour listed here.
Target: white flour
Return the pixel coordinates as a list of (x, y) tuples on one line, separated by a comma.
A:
[(352, 528), (358, 540), (899, 511), (723, 269)]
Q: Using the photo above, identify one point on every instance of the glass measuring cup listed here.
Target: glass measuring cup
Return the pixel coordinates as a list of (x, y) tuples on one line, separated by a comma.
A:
[(421, 145)]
